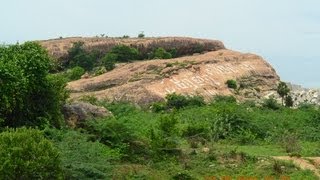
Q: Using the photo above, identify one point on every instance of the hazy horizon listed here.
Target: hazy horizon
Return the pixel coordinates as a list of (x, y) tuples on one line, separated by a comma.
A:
[(285, 33)]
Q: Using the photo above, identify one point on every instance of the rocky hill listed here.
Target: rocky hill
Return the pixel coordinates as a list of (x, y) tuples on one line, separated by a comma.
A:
[(202, 74), (183, 45)]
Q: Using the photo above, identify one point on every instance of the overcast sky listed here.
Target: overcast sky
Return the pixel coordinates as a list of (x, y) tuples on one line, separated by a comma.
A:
[(285, 32)]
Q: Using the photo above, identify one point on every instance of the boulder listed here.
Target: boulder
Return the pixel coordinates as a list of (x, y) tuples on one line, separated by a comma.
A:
[(78, 112)]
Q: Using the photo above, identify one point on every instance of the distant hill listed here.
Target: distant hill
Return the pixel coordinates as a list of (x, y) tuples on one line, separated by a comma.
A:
[(143, 82)]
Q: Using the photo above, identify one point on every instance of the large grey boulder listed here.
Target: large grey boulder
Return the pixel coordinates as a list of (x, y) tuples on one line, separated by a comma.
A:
[(78, 112)]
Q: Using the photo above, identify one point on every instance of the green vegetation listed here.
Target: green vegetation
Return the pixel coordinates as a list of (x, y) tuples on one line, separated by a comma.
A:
[(141, 35), (28, 94), (232, 84), (160, 53), (182, 137), (79, 57), (283, 90), (26, 154)]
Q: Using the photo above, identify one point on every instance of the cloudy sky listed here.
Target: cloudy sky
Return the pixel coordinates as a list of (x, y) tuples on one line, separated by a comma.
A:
[(285, 32)]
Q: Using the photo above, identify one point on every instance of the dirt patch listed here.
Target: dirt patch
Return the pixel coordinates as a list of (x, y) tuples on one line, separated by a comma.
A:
[(303, 163)]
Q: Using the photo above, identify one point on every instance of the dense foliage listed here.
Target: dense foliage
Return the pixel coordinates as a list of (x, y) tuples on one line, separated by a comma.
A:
[(26, 154), (160, 53), (28, 95)]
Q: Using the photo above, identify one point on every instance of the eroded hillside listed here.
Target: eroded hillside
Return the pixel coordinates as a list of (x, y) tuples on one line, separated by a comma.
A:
[(204, 74)]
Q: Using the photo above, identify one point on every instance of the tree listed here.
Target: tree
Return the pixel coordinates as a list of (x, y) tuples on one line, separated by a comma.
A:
[(109, 61), (283, 90), (161, 53), (78, 56), (26, 154), (141, 35), (28, 96), (125, 53), (289, 101)]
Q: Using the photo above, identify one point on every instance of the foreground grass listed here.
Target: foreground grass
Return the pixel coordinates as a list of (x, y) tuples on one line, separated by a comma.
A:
[(185, 144)]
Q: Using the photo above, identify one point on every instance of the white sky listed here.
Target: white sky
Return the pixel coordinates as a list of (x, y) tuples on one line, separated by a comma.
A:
[(285, 32)]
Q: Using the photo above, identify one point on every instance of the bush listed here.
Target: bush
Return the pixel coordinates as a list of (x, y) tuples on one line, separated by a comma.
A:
[(232, 84), (176, 101), (159, 107), (124, 53), (224, 99), (195, 101), (289, 101), (82, 158), (271, 103), (164, 138), (75, 73), (79, 57), (160, 53), (118, 135), (26, 154), (29, 96), (141, 35), (99, 70), (109, 61), (179, 101), (290, 142)]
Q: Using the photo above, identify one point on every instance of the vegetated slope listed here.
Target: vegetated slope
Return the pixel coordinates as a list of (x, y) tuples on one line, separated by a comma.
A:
[(183, 45), (201, 74)]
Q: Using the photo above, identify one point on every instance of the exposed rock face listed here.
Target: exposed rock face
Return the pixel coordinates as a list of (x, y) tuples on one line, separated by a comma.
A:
[(203, 74), (184, 46), (76, 113), (300, 95), (304, 95)]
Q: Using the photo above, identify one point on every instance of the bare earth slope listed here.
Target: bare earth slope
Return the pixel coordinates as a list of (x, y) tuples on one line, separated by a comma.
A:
[(204, 74)]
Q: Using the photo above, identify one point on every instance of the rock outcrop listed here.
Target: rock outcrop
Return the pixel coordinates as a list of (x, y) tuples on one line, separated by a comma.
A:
[(78, 112), (203, 68), (302, 95), (203, 74), (58, 48)]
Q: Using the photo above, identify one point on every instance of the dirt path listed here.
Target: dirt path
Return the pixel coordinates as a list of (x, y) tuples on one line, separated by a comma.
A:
[(303, 163)]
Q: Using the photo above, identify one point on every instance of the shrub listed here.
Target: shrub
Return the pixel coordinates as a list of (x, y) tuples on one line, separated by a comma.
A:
[(195, 101), (164, 138), (198, 48), (288, 101), (232, 84), (29, 96), (75, 73), (118, 135), (271, 103), (82, 158), (224, 99), (290, 142), (79, 57), (141, 35), (176, 101), (109, 61), (160, 53), (179, 101), (26, 154), (99, 70), (158, 107), (124, 53)]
